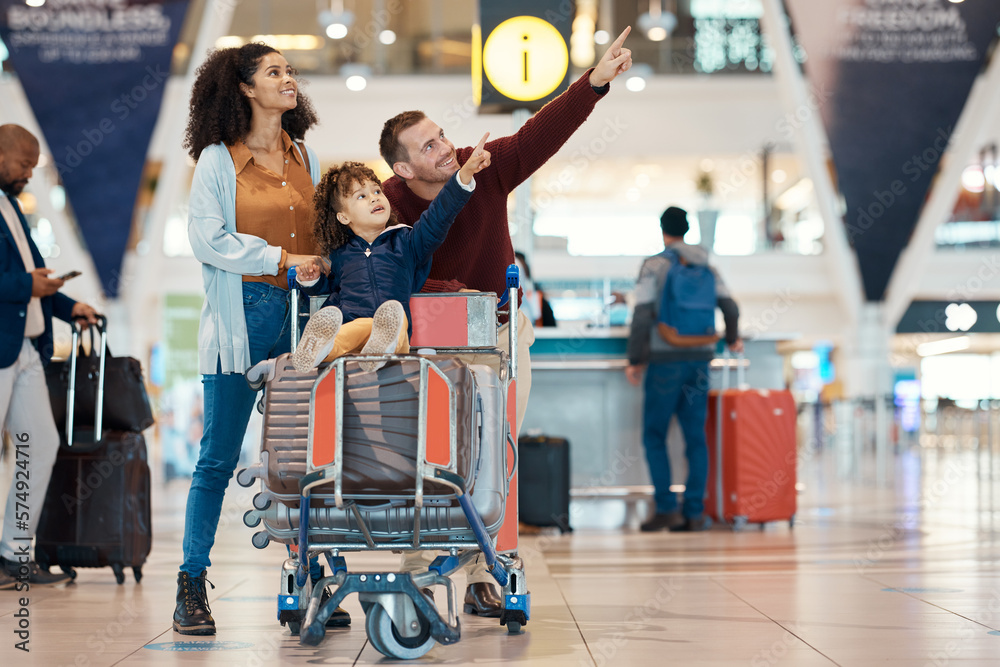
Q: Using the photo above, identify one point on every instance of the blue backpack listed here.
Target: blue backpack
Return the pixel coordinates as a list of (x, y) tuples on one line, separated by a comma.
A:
[(687, 306)]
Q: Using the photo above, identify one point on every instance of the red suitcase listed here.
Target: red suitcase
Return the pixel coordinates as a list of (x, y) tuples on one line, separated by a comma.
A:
[(757, 448)]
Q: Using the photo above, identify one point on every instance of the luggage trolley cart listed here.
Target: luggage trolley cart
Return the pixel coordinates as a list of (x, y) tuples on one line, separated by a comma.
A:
[(457, 493)]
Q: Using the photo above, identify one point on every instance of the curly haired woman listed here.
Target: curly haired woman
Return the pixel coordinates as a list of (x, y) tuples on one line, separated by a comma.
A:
[(250, 219)]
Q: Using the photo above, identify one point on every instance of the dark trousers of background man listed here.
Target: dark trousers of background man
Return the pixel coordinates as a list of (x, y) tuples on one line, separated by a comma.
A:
[(681, 388)]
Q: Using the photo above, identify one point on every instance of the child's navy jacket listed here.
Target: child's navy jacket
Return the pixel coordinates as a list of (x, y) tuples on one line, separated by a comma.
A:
[(398, 263)]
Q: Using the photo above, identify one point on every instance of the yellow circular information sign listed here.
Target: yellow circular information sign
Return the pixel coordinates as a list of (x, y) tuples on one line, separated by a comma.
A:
[(525, 58)]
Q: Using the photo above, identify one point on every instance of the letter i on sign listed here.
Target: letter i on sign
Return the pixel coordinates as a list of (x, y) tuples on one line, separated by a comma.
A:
[(525, 38)]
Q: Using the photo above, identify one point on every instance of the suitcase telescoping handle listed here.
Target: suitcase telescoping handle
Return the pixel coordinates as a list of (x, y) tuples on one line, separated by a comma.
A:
[(102, 328), (741, 376), (293, 288), (728, 361), (509, 298)]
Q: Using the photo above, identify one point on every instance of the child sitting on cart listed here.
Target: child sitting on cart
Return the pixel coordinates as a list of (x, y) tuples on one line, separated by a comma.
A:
[(374, 265)]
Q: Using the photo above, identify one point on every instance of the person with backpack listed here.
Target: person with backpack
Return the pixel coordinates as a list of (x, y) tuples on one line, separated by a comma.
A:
[(673, 338)]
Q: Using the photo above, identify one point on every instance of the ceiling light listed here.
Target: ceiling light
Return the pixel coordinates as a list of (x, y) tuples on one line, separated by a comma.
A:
[(944, 346), (602, 37), (336, 20), (973, 178), (34, 3), (960, 317), (636, 77), (336, 31), (656, 23), (387, 37), (635, 83), (355, 76), (779, 176)]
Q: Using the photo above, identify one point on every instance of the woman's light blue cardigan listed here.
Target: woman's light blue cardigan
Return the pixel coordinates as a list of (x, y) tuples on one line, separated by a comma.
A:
[(226, 256)]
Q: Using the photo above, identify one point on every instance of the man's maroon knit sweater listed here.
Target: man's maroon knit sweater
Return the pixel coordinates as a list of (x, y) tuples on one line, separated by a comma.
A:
[(478, 250)]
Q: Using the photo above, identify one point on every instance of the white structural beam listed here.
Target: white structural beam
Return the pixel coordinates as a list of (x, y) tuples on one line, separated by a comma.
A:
[(140, 292), (810, 142), (980, 110)]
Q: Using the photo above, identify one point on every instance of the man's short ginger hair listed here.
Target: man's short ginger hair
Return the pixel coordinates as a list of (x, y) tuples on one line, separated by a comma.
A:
[(389, 145)]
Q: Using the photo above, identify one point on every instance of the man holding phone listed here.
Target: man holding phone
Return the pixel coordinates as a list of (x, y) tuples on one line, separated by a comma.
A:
[(29, 297)]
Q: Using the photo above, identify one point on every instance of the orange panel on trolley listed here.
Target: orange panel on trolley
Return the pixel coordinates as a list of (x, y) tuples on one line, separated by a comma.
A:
[(440, 322), (324, 446), (507, 537), (438, 421)]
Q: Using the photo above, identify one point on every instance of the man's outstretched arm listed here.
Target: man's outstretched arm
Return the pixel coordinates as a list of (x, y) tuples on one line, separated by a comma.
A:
[(518, 156)]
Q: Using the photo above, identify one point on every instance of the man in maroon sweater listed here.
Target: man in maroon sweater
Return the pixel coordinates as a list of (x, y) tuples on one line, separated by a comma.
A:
[(478, 249)]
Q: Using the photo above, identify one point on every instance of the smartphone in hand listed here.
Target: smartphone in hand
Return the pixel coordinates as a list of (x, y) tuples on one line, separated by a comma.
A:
[(68, 276)]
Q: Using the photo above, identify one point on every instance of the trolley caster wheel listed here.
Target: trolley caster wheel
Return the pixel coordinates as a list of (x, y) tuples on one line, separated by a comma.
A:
[(294, 627), (69, 570), (251, 519), (244, 478), (739, 523), (260, 539), (119, 573), (791, 522), (137, 573), (513, 628), (387, 640)]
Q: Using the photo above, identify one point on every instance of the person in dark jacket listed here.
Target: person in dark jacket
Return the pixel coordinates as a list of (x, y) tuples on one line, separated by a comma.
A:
[(29, 299), (676, 380), (374, 267)]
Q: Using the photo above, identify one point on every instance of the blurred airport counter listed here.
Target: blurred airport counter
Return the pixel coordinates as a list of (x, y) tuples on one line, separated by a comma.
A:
[(579, 392)]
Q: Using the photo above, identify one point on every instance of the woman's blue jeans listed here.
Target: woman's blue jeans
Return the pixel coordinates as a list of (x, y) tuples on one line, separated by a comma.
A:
[(229, 401), (681, 388)]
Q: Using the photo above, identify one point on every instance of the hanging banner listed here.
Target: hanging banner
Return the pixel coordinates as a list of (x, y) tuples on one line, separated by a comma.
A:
[(94, 72), (897, 74)]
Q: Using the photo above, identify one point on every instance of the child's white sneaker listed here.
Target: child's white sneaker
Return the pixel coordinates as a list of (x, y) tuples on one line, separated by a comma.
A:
[(387, 325), (260, 374), (317, 339)]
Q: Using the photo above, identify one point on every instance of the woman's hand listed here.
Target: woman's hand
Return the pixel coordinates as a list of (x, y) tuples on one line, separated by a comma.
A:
[(308, 267)]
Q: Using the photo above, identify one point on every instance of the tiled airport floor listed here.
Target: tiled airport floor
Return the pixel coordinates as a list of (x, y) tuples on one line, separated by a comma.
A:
[(902, 575)]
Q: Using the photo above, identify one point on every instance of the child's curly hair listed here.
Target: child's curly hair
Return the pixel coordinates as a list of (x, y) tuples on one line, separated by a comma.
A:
[(331, 192)]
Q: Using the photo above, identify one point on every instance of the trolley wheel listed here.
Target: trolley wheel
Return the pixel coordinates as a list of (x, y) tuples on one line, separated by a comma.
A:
[(69, 570), (244, 478), (260, 539), (739, 522), (119, 572), (293, 627), (137, 573), (387, 641), (513, 627), (791, 521)]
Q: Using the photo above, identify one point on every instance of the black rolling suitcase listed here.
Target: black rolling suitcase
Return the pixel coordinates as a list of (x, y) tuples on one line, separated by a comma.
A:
[(543, 491), (97, 507)]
